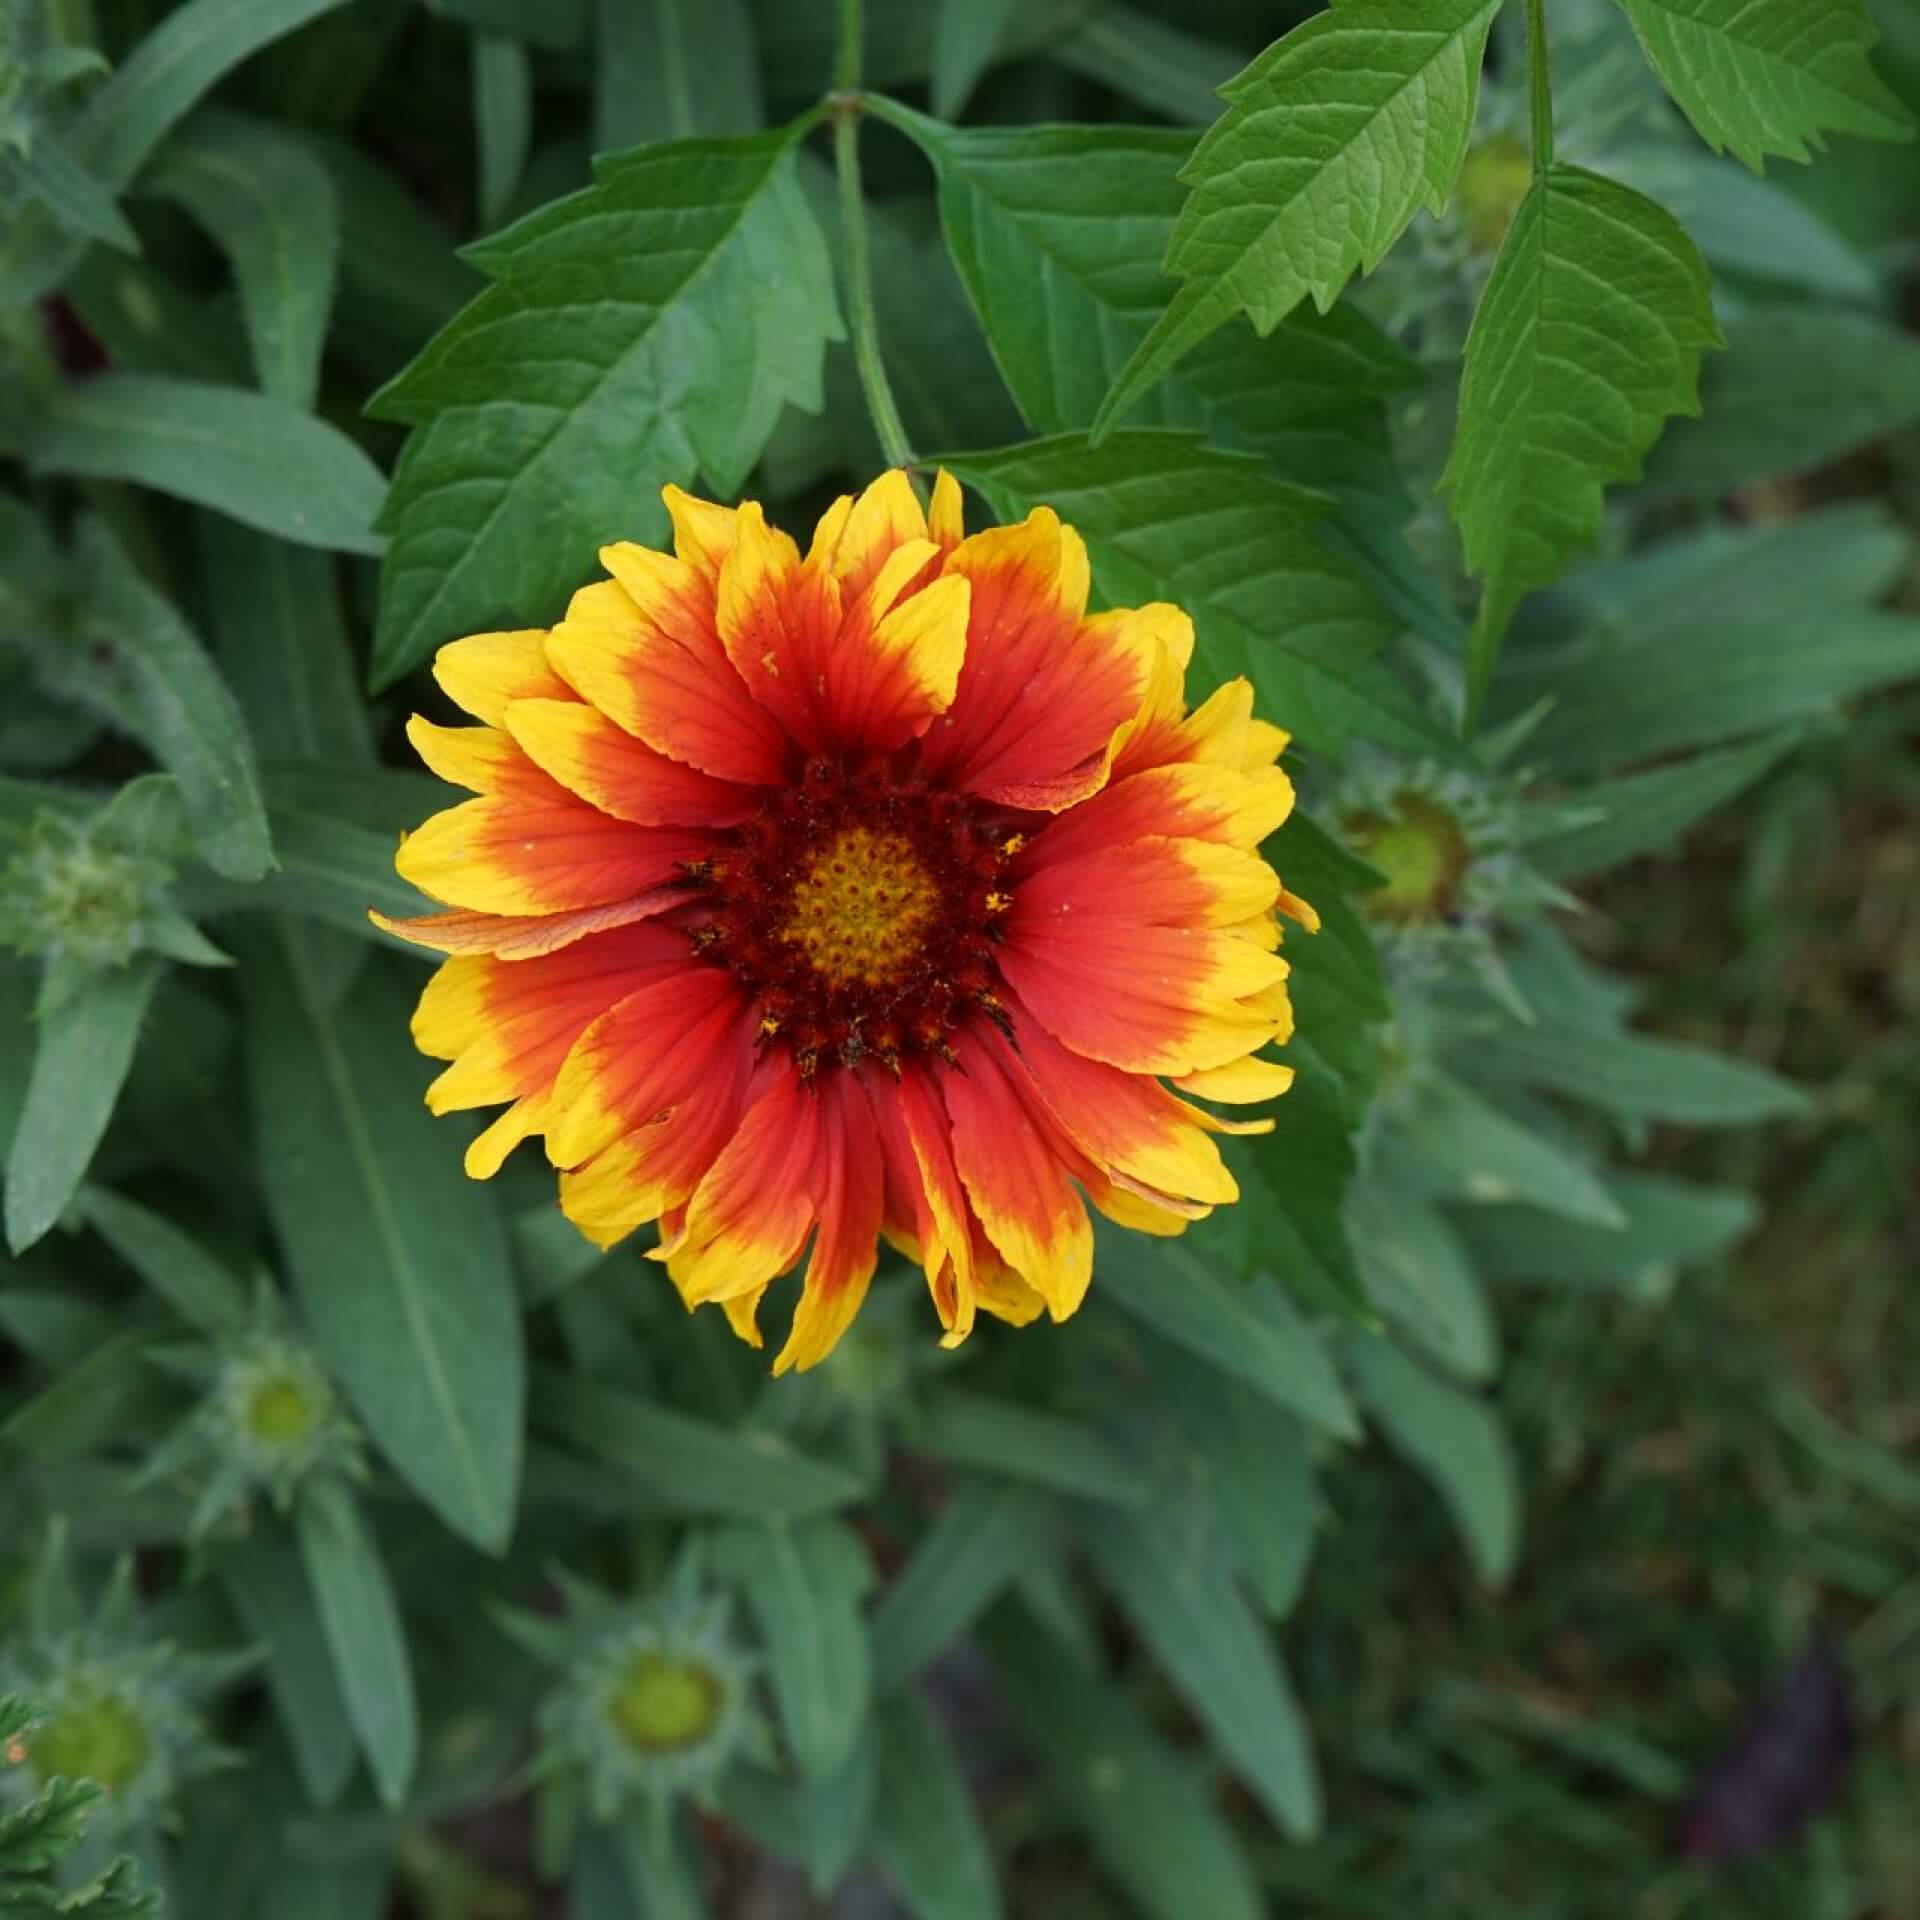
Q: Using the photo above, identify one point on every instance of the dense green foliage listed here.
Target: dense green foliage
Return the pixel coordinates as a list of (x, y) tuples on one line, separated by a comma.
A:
[(471, 1572)]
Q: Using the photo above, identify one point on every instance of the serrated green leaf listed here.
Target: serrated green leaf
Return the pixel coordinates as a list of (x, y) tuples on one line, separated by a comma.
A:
[(181, 707), (605, 361), (1024, 1443), (1453, 1438), (1055, 230), (1770, 76), (360, 1620), (1588, 336), (804, 1583), (1647, 812), (400, 1263), (51, 1824), (926, 1834), (1167, 1569), (1797, 388), (985, 1537), (1334, 139), (198, 1287), (502, 119), (243, 454), (689, 1465), (1166, 518), (82, 1049), (265, 1581), (1245, 1328), (269, 205), (1151, 1822)]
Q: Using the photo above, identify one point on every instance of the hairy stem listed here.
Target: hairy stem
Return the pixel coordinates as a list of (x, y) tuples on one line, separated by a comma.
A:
[(1539, 86), (845, 107)]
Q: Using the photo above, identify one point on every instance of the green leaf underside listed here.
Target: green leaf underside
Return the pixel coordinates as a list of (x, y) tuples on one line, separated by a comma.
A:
[(1167, 1569), (1151, 1820), (269, 204), (246, 455), (360, 1622), (1456, 1440), (1055, 231), (1166, 518), (1770, 76), (1334, 139), (1588, 336), (645, 330), (147, 94), (184, 710), (400, 1263), (81, 1052)]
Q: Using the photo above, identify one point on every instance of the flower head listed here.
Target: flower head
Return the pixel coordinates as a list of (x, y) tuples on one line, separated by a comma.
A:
[(651, 1701), (882, 889)]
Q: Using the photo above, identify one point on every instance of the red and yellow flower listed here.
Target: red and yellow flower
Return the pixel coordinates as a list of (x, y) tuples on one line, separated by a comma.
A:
[(879, 890)]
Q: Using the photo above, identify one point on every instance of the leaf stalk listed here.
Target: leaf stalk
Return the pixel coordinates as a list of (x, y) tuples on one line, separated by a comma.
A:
[(845, 109), (1539, 87)]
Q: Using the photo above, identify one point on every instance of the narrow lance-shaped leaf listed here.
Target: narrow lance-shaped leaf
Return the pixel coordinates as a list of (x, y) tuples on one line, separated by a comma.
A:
[(670, 69), (503, 118), (1169, 1573), (1770, 76), (244, 454), (182, 707), (269, 204), (803, 1583), (400, 1263), (82, 1048), (1334, 139), (645, 330), (360, 1621), (1588, 336), (148, 93), (1453, 1438)]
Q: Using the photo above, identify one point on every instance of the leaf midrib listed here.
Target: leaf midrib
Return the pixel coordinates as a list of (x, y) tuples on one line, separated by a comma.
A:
[(353, 1125)]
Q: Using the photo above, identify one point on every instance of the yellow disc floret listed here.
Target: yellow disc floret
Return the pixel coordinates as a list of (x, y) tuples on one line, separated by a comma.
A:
[(861, 907)]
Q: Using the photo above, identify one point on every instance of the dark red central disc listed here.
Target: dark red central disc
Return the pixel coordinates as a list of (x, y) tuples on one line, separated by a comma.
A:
[(862, 909)]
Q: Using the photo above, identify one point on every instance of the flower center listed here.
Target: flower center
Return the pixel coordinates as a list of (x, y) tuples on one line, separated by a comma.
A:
[(860, 908), (863, 912), (97, 1737), (1421, 850), (663, 1703)]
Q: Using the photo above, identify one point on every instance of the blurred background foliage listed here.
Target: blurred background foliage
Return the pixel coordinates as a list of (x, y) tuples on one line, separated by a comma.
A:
[(1507, 1510)]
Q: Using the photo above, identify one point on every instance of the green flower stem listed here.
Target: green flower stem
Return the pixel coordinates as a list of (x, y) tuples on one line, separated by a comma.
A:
[(846, 108), (1539, 87)]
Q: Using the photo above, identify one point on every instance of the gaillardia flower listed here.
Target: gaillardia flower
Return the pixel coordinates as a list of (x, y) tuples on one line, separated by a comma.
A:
[(884, 890)]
